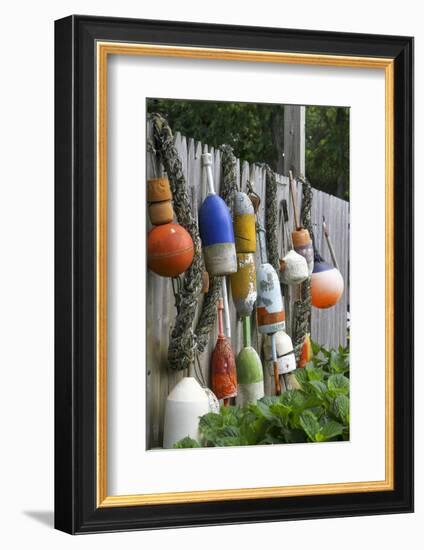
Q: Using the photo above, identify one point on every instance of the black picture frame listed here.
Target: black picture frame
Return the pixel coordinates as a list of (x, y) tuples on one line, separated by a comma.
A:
[(76, 510)]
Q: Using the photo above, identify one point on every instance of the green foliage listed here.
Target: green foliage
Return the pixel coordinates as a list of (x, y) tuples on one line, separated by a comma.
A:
[(318, 411), (247, 127), (255, 131), (327, 149), (186, 443)]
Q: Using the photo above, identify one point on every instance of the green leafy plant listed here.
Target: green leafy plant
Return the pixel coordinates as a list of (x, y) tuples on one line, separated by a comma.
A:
[(318, 411), (186, 443)]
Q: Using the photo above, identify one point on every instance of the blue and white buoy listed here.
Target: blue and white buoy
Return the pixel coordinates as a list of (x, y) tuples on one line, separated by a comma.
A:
[(216, 229)]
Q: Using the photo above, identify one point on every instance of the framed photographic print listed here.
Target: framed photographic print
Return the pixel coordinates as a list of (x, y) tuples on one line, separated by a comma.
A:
[(234, 274)]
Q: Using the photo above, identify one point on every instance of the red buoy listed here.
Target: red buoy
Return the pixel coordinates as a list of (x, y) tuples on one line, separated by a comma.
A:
[(223, 364), (170, 250)]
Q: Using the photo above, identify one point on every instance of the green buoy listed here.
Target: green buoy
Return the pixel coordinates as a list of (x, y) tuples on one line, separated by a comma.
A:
[(250, 376)]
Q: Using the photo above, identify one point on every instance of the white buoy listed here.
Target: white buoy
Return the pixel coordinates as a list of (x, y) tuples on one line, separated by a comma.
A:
[(285, 354), (186, 403), (293, 268), (270, 314)]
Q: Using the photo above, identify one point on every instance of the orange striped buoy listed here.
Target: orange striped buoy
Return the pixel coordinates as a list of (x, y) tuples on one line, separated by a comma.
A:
[(170, 250)]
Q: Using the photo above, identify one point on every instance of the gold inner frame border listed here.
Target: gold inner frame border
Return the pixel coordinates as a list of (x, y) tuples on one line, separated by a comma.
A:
[(103, 50)]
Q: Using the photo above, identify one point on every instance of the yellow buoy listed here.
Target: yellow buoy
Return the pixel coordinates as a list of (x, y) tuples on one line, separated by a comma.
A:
[(244, 223), (243, 284)]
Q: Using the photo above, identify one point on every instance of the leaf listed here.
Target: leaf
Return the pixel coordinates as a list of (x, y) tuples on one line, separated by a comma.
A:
[(313, 372), (294, 436), (338, 384), (229, 431), (341, 408), (318, 411), (186, 443), (330, 430), (261, 410), (316, 348), (269, 399), (338, 363), (310, 424), (301, 376), (280, 409), (211, 421), (253, 431), (319, 388), (326, 353), (232, 415), (295, 399), (210, 425)]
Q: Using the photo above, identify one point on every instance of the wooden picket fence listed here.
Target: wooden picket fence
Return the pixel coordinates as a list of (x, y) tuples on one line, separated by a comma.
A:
[(329, 327)]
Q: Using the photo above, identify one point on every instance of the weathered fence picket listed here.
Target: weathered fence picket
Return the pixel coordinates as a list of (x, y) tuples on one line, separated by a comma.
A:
[(328, 326)]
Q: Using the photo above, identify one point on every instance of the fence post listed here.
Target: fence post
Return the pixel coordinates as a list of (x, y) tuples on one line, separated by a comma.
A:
[(294, 139)]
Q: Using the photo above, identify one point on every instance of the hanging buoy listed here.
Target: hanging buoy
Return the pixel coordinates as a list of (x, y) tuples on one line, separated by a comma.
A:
[(326, 284), (170, 250), (244, 223), (285, 354), (243, 284), (186, 403), (293, 268), (216, 230), (159, 197), (306, 352), (250, 374), (302, 242), (223, 365), (269, 307)]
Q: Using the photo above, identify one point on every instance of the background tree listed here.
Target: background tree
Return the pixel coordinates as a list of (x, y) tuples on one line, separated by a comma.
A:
[(327, 149), (255, 131)]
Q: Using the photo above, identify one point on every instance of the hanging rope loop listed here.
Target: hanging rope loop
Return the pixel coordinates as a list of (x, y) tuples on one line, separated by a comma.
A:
[(186, 343), (302, 307), (181, 346), (271, 224)]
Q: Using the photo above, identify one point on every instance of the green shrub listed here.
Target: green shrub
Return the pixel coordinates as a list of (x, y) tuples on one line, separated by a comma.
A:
[(318, 411)]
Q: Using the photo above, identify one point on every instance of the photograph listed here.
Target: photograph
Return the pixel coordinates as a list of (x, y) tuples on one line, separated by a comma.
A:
[(247, 284)]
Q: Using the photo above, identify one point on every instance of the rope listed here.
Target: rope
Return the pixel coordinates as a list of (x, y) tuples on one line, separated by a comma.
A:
[(208, 314), (229, 185), (302, 307), (181, 350), (271, 218), (185, 343)]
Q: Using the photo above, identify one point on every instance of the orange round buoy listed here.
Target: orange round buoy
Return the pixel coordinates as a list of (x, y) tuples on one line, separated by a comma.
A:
[(326, 284), (170, 250)]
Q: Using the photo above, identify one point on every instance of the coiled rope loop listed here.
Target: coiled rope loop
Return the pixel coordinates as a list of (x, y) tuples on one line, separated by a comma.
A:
[(302, 307), (181, 346), (185, 343)]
